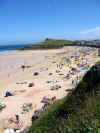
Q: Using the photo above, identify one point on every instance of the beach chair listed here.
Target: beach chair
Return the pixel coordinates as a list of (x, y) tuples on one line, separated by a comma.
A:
[(8, 94)]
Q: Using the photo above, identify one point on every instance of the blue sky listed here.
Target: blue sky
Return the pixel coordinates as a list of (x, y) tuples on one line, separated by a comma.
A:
[(34, 20)]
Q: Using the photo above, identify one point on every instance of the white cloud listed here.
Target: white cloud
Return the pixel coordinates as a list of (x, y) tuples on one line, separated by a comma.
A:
[(94, 30), (91, 33)]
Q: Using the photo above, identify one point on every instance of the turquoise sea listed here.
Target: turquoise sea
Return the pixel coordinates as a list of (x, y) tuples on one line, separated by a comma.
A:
[(8, 48)]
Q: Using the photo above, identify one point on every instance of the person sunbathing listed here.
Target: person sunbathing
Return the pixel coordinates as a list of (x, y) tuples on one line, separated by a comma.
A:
[(67, 76)]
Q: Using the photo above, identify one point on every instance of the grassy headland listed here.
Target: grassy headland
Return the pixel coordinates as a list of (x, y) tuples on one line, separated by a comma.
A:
[(78, 112), (48, 44)]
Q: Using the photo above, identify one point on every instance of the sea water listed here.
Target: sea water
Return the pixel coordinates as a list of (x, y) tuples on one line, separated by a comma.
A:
[(8, 48)]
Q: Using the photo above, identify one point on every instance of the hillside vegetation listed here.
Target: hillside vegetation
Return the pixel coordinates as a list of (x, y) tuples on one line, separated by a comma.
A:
[(78, 112), (48, 44)]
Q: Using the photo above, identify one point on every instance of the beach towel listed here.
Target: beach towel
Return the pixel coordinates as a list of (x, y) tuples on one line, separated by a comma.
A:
[(84, 68)]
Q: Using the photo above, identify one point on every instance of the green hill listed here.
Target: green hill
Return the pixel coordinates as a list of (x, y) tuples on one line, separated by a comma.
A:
[(79, 112), (48, 44)]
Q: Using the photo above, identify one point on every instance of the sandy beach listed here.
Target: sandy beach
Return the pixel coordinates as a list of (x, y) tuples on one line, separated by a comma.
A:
[(15, 80)]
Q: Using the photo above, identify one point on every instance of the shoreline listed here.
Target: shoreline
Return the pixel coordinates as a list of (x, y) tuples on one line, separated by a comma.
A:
[(8, 52)]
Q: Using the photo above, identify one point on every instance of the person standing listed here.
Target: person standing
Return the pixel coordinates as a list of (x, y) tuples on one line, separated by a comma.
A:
[(72, 81), (17, 117)]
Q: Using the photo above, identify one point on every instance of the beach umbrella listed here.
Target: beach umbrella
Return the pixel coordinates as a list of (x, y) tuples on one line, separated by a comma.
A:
[(68, 60), (8, 94)]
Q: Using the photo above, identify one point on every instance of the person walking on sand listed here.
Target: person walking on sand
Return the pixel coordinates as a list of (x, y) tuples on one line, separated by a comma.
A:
[(17, 117), (72, 81), (17, 121)]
